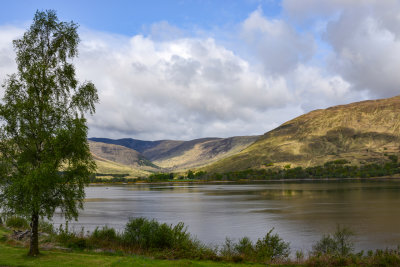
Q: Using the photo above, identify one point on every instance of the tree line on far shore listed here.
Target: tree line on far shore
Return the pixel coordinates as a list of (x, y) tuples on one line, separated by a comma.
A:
[(340, 168)]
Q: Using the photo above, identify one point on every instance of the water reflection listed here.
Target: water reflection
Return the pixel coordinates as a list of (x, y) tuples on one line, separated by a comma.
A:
[(299, 211)]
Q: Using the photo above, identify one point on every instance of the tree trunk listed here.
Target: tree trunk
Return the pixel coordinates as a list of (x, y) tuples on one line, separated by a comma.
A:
[(34, 244)]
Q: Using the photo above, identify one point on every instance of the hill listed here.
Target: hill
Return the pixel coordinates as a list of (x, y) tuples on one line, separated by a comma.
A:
[(115, 159), (361, 132), (171, 155)]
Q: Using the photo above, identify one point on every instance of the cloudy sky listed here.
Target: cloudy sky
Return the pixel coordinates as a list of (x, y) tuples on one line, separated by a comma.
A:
[(190, 69)]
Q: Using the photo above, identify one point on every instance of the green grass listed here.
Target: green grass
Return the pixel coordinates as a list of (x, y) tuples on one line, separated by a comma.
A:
[(12, 256), (17, 256), (107, 166)]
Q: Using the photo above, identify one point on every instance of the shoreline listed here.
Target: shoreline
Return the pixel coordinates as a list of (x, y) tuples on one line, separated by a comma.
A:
[(246, 181)]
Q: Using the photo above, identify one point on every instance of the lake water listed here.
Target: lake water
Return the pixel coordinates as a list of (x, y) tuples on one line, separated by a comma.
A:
[(301, 212)]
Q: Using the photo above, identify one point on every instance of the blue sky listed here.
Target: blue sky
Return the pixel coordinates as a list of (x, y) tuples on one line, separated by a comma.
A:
[(191, 69), (131, 17)]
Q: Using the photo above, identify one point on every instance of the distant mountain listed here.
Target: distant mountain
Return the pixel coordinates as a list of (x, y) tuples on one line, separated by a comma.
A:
[(115, 159), (171, 155), (361, 132), (119, 154), (137, 145)]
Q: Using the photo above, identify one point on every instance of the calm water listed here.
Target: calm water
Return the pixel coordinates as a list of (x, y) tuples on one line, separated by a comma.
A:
[(299, 211)]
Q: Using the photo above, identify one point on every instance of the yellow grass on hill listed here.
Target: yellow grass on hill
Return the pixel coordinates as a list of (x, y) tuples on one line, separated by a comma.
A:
[(361, 132)]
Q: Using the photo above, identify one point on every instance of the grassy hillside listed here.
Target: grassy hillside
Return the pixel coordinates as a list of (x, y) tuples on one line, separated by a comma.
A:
[(115, 159), (361, 132), (109, 167), (138, 145), (119, 154), (171, 155), (201, 152)]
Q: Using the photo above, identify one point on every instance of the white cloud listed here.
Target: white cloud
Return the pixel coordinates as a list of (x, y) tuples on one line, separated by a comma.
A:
[(364, 37), (7, 54), (276, 43), (178, 88), (154, 87)]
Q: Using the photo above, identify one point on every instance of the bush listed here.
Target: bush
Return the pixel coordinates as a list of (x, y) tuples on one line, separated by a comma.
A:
[(104, 237), (46, 227), (386, 257), (338, 244), (228, 249), (327, 245), (71, 239), (245, 248), (105, 233), (271, 248), (17, 222), (147, 234)]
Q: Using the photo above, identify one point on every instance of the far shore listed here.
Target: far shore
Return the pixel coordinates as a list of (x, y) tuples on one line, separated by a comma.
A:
[(244, 181)]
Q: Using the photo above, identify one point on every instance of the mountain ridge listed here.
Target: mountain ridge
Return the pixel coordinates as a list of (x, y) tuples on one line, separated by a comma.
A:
[(169, 155), (359, 132)]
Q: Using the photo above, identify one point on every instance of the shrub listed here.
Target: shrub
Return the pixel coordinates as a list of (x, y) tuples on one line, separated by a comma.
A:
[(386, 257), (326, 245), (105, 233), (343, 237), (228, 249), (146, 234), (17, 222), (245, 248), (71, 239), (104, 237), (46, 227), (299, 256), (271, 248), (338, 244)]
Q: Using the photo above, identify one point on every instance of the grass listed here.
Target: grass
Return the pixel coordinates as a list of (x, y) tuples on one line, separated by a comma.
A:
[(17, 256), (105, 247), (106, 166), (14, 254)]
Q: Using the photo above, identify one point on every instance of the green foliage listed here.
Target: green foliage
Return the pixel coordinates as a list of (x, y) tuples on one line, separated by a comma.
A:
[(338, 244), (336, 162), (271, 247), (393, 158), (93, 179), (17, 222), (199, 174), (244, 247), (71, 239), (160, 177), (228, 249), (299, 256), (332, 169), (104, 237), (46, 227), (114, 175), (149, 234), (190, 174), (268, 249), (105, 233), (326, 245), (46, 161), (112, 243)]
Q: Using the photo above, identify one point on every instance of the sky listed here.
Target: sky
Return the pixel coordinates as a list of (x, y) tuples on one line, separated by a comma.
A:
[(192, 69)]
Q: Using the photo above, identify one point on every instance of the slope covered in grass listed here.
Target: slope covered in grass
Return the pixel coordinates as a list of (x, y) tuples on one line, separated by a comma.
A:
[(362, 132)]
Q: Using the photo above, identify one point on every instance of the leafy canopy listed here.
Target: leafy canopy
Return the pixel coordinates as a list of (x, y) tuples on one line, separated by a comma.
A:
[(45, 160)]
